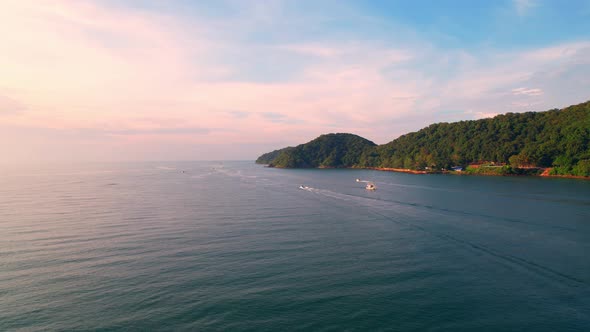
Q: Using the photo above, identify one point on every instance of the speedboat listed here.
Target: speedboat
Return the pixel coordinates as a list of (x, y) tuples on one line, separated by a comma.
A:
[(358, 180), (371, 186), (303, 187)]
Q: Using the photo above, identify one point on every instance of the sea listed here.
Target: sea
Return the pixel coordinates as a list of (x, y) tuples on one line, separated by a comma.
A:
[(235, 246)]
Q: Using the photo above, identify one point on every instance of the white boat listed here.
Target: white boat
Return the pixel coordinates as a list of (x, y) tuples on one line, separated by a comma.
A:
[(358, 180), (303, 187), (371, 186)]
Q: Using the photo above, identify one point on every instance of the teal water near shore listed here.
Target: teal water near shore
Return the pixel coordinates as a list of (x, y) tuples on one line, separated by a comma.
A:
[(234, 246)]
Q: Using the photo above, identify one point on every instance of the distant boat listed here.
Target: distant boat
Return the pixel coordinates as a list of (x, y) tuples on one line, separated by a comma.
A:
[(371, 186), (358, 180), (303, 187)]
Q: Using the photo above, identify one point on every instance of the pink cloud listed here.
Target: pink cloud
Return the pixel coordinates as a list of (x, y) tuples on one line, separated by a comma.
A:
[(527, 92), (147, 78)]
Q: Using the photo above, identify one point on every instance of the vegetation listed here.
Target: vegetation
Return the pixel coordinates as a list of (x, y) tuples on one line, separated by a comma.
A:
[(501, 170), (267, 158), (520, 142), (566, 166), (326, 151)]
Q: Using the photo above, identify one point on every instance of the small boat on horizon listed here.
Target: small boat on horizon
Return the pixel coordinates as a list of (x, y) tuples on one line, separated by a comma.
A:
[(303, 187)]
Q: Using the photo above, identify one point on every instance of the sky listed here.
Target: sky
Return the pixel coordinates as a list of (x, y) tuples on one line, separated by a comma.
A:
[(110, 80)]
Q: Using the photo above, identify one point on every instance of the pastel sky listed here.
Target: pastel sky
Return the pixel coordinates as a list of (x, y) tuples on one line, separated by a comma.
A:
[(102, 80)]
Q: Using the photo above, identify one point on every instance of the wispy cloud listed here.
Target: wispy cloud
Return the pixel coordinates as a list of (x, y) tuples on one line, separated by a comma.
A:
[(149, 79), (160, 131), (239, 114), (312, 50), (527, 92), (523, 7), (480, 115), (273, 116), (9, 106)]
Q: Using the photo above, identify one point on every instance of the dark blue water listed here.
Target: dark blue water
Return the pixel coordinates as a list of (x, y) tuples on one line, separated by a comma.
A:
[(236, 246)]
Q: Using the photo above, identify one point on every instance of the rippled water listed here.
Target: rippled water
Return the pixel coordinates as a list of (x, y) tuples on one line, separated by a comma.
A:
[(236, 246)]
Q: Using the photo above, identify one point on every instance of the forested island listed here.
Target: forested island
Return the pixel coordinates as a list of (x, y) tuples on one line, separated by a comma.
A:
[(554, 142)]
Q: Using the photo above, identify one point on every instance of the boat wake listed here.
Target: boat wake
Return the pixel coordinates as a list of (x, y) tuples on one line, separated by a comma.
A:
[(201, 176), (166, 168), (402, 213), (234, 173)]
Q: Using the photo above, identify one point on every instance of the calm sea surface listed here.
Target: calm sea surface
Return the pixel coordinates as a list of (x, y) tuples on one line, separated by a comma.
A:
[(234, 246)]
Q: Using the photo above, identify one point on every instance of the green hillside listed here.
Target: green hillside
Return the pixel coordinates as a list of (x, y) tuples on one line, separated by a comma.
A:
[(331, 150), (268, 157), (555, 138)]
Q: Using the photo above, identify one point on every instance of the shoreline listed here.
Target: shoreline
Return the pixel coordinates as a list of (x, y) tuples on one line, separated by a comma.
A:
[(577, 177), (399, 170), (544, 174)]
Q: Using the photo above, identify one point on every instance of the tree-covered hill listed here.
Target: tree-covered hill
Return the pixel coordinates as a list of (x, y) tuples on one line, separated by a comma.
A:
[(559, 138), (331, 150), (543, 139), (268, 157)]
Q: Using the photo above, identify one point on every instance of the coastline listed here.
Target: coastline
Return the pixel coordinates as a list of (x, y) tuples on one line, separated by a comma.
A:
[(399, 170), (577, 177), (544, 174)]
